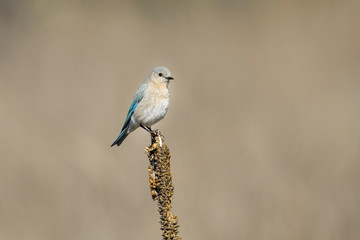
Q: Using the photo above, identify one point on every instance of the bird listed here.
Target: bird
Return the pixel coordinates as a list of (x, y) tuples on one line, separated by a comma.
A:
[(150, 103)]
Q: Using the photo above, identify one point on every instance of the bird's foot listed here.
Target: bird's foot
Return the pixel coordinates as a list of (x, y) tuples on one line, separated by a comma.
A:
[(147, 128), (156, 133)]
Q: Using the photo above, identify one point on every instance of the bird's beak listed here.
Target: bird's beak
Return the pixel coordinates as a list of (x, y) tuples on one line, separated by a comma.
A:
[(170, 78)]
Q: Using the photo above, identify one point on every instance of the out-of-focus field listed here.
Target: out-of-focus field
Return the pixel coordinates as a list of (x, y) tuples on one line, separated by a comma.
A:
[(263, 126)]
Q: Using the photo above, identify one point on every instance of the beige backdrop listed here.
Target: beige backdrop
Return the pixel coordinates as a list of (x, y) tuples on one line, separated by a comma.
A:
[(263, 126)]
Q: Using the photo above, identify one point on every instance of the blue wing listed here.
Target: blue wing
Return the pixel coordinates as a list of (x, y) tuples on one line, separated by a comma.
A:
[(124, 131), (131, 111)]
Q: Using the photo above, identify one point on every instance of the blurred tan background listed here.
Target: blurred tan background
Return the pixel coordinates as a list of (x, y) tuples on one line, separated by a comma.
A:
[(263, 123)]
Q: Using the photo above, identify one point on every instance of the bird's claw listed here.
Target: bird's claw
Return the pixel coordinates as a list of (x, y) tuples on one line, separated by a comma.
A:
[(155, 133)]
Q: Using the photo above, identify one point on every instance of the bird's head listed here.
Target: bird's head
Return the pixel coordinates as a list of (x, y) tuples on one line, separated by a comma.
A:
[(161, 74)]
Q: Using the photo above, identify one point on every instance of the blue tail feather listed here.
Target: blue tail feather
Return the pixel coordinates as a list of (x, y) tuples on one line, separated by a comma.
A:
[(124, 131), (121, 137)]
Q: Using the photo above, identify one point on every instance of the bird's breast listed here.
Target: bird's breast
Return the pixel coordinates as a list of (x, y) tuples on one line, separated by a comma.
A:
[(153, 107)]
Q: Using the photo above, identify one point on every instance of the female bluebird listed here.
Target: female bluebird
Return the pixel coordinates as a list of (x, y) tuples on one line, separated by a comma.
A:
[(150, 103)]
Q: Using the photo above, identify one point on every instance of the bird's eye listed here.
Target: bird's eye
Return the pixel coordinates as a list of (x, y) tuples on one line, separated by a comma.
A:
[(160, 74)]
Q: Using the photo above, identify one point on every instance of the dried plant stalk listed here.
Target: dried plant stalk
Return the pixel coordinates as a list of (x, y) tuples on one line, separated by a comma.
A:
[(161, 186)]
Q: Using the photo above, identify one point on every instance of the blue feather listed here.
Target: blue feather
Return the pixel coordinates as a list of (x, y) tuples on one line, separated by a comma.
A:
[(124, 131)]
